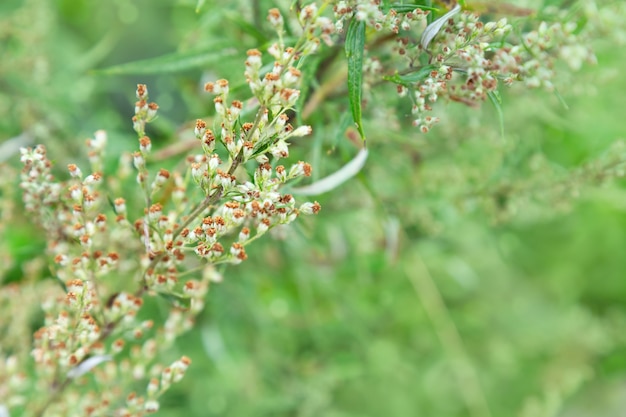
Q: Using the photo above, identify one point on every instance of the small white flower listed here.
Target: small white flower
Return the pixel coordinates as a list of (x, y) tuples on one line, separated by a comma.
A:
[(280, 149)]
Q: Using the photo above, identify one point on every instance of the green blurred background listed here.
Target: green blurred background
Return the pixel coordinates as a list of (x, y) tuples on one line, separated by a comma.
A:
[(463, 272)]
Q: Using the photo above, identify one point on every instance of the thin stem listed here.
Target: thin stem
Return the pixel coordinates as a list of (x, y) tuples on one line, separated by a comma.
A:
[(56, 392), (255, 126), (435, 307)]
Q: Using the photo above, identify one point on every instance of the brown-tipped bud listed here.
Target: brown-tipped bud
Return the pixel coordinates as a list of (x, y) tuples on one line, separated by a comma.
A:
[(200, 128), (152, 110), (74, 171), (142, 91), (275, 18), (310, 208), (145, 144)]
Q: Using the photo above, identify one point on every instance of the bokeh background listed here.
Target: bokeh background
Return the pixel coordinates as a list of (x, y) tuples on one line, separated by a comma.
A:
[(467, 272)]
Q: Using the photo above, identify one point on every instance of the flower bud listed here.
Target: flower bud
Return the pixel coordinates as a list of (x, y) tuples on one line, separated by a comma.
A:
[(75, 172), (200, 128), (142, 92), (310, 208)]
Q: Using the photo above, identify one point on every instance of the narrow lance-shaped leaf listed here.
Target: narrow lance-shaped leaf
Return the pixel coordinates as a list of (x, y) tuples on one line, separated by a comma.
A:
[(247, 27), (496, 100), (178, 61), (420, 74), (199, 5), (406, 8), (355, 44), (177, 300)]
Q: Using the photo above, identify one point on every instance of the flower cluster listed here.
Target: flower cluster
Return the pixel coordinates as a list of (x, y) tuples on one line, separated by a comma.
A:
[(111, 259), (460, 57), (468, 59), (94, 320), (371, 12)]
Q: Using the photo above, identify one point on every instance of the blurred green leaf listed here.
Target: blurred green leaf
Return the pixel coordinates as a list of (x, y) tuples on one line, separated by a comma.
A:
[(406, 8), (247, 27), (176, 62), (496, 100), (199, 5), (176, 300)]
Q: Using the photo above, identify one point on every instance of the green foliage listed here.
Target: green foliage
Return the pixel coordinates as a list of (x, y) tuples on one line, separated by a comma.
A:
[(412, 77), (482, 263), (355, 44), (176, 62)]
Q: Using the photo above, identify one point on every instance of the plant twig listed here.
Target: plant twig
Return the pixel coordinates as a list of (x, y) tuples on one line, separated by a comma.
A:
[(435, 307)]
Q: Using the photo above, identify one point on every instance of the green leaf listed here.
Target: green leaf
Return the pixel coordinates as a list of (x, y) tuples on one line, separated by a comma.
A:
[(561, 99), (176, 62), (408, 80), (355, 45), (199, 5), (112, 204), (406, 8), (247, 27), (307, 81), (177, 300), (262, 147), (496, 100)]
